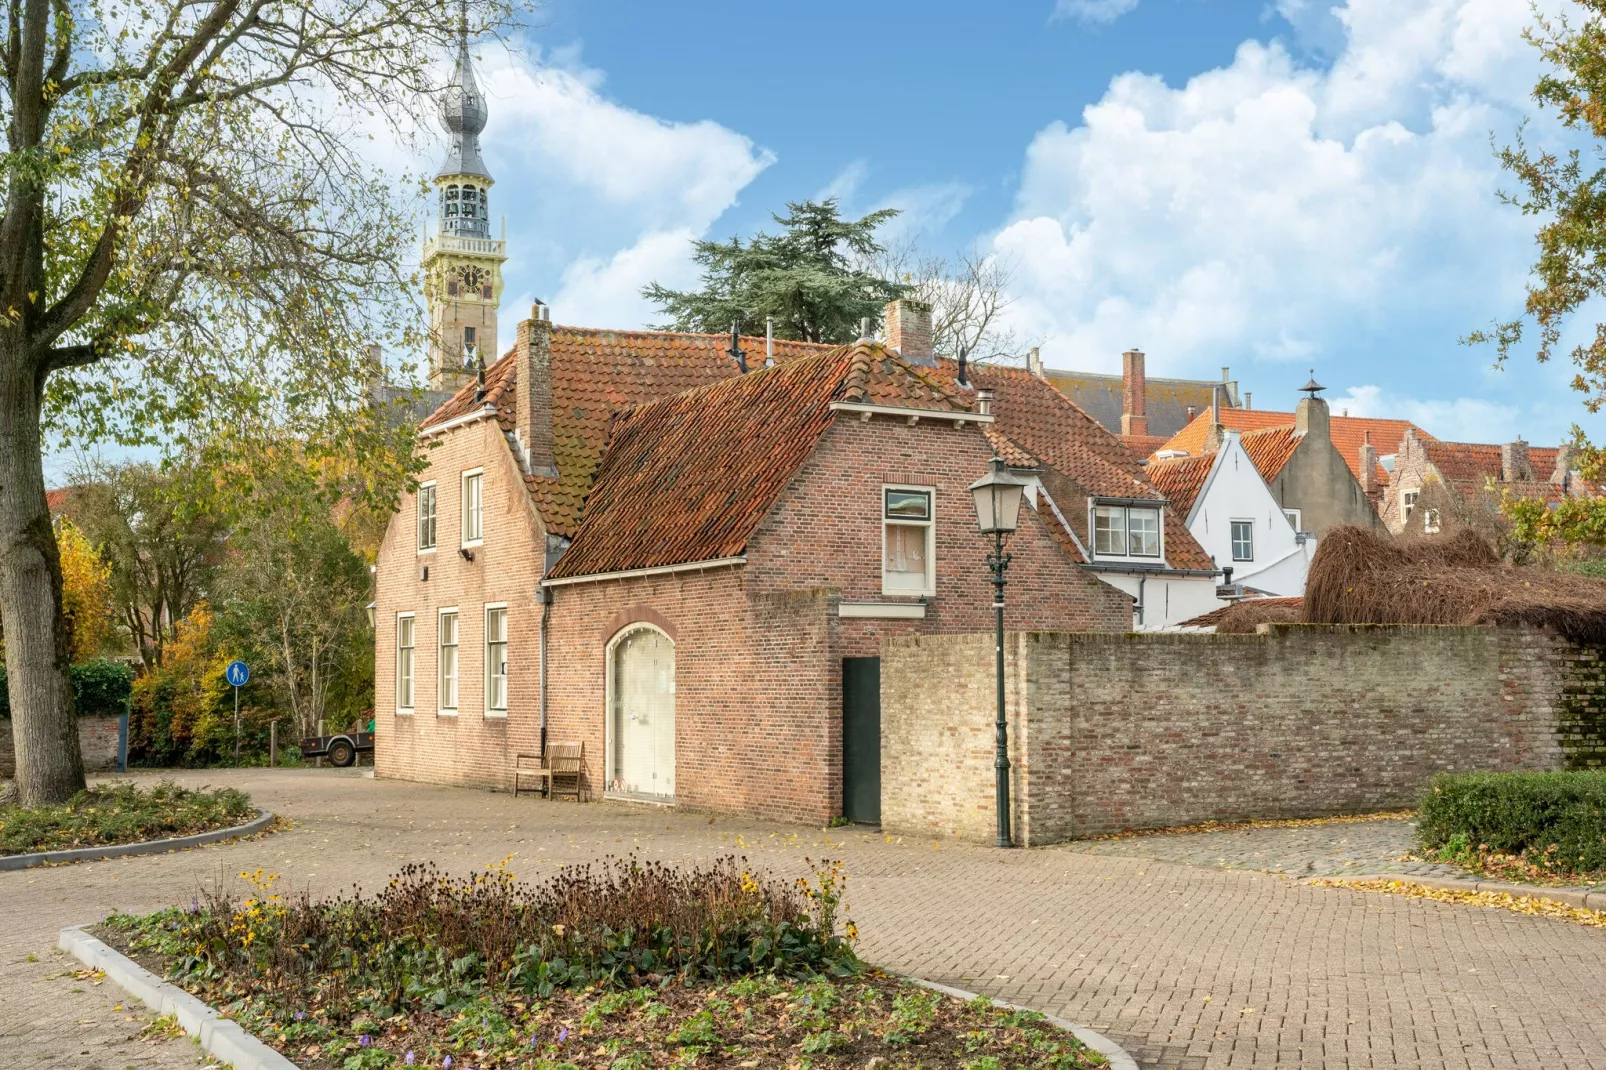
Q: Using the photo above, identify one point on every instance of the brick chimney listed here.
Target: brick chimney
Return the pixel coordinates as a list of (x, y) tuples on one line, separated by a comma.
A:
[(1216, 433), (1368, 465), (1514, 464), (1134, 394), (909, 330), (532, 364), (1312, 418), (1034, 362), (1561, 475)]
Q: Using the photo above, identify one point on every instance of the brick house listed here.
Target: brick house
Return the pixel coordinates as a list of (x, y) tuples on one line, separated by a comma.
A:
[(1438, 484), (624, 538)]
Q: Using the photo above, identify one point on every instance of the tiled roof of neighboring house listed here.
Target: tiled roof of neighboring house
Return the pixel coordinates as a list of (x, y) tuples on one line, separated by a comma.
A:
[(596, 373), (1215, 616), (1181, 479), (689, 478), (1143, 445), (1270, 450), (56, 499), (1035, 415), (1477, 461), (1348, 433), (1166, 401)]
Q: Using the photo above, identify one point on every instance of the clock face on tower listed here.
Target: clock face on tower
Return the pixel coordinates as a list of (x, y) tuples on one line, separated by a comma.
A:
[(471, 279)]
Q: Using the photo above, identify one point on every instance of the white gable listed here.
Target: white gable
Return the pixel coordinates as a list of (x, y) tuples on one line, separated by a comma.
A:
[(1236, 501)]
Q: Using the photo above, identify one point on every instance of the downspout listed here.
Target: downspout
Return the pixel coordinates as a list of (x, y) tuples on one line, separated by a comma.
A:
[(544, 595), (1142, 579)]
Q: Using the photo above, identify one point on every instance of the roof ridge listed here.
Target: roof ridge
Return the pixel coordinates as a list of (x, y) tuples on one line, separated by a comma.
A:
[(719, 337)]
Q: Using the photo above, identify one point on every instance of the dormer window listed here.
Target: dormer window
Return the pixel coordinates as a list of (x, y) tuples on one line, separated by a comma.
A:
[(1126, 530)]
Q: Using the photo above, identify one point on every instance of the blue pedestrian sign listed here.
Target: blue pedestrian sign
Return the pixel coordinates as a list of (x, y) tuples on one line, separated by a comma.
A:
[(237, 674)]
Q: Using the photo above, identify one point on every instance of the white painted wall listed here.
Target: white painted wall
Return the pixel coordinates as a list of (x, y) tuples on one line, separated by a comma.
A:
[(1235, 491), (1167, 600)]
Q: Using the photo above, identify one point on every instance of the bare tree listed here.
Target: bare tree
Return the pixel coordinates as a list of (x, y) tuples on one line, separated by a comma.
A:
[(191, 241), (967, 294)]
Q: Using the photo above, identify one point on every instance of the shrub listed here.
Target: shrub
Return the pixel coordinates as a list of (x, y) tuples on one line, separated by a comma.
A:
[(100, 688), (1556, 821), (120, 813)]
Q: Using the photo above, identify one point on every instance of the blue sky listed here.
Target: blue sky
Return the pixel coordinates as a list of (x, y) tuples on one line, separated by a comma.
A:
[(1273, 185)]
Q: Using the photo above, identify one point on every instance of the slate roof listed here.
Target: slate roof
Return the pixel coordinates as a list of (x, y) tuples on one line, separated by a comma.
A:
[(1166, 401), (690, 477), (1091, 461), (1348, 432), (595, 374), (1181, 479)]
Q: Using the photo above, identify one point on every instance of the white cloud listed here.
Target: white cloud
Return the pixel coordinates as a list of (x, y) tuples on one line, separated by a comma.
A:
[(1462, 419), (597, 291), (1092, 10), (1276, 211)]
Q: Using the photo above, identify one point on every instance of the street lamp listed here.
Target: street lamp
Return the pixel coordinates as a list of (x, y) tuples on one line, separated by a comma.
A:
[(997, 496)]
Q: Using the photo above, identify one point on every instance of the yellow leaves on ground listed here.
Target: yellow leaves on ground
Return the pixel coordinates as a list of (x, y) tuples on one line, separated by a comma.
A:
[(1280, 823), (1517, 904)]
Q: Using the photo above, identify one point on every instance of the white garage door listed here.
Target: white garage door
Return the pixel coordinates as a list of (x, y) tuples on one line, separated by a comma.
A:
[(642, 733)]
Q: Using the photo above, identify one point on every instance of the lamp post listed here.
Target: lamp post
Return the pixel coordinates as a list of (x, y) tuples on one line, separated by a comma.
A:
[(997, 496)]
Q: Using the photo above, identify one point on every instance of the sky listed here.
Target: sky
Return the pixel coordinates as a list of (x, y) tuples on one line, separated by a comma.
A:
[(1275, 186), (1271, 186)]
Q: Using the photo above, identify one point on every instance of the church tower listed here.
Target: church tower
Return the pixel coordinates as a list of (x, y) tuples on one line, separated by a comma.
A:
[(462, 263)]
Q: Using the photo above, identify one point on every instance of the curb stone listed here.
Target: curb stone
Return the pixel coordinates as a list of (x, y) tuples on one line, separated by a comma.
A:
[(218, 1036), (144, 847), (1117, 1055), (1573, 897)]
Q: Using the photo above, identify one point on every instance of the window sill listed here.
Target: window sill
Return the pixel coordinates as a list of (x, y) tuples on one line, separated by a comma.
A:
[(426, 550), (496, 715), (473, 544), (445, 713), (882, 610), (404, 711)]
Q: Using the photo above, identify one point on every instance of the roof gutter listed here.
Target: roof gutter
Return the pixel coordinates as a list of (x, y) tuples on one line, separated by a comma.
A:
[(484, 412), (660, 570), (1150, 570)]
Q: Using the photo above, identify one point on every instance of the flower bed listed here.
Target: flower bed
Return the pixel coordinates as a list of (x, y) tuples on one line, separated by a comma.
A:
[(622, 966), (121, 813)]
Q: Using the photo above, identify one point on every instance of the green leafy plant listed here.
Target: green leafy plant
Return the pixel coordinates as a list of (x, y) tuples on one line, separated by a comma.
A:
[(1555, 822), (121, 813)]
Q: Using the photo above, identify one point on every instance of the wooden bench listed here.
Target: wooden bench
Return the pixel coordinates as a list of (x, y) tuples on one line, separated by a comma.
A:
[(562, 770)]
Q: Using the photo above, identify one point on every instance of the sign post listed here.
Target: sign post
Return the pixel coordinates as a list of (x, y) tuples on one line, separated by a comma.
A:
[(237, 674)]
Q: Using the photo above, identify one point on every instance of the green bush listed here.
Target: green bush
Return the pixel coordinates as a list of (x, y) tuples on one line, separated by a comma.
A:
[(100, 687), (1556, 820)]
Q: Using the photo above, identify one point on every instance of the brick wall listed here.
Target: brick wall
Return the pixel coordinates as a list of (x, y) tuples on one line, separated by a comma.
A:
[(1154, 730), (97, 739), (469, 747)]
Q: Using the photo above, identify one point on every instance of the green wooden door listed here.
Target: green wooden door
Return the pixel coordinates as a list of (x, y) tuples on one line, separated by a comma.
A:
[(861, 740)]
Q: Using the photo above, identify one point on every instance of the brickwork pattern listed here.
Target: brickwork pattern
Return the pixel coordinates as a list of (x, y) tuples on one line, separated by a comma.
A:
[(468, 747), (1189, 967), (1157, 730), (97, 740)]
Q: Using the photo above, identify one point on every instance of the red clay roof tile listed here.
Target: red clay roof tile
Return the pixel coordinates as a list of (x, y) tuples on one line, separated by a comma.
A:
[(1181, 479), (1348, 433)]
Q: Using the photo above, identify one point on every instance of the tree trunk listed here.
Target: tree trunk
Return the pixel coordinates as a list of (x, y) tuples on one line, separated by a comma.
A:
[(50, 768)]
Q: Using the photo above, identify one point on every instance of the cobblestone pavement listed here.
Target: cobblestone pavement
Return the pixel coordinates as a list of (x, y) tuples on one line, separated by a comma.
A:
[(1190, 967), (1302, 851)]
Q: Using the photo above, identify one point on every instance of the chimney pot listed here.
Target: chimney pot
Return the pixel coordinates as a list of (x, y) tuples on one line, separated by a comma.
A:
[(1034, 362), (909, 330), (1249, 399), (1134, 394), (984, 402), (864, 329)]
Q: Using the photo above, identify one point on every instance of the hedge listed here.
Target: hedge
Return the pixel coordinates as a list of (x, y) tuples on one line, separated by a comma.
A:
[(1515, 813), (100, 687)]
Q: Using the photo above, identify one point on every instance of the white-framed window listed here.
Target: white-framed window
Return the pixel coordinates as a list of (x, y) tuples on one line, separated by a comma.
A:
[(473, 511), (1243, 540), (406, 643), (908, 543), (447, 662), (496, 661), (1408, 502), (1430, 521), (1293, 518), (426, 517), (1126, 530)]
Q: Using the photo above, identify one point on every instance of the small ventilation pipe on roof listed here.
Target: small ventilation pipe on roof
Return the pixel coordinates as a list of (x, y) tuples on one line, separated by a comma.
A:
[(735, 350), (964, 371), (769, 341), (864, 329), (984, 403)]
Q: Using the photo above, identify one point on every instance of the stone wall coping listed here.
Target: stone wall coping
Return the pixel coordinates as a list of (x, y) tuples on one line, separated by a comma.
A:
[(144, 847), (217, 1035), (1582, 898), (1281, 628), (1117, 1055)]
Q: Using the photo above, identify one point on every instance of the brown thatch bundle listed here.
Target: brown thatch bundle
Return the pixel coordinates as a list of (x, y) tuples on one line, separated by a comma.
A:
[(1241, 618), (1360, 577)]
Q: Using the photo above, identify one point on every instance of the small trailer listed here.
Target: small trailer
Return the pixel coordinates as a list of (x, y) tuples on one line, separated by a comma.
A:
[(341, 749)]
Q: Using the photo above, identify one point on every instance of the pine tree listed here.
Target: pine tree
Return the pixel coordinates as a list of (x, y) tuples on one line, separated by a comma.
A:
[(807, 278)]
